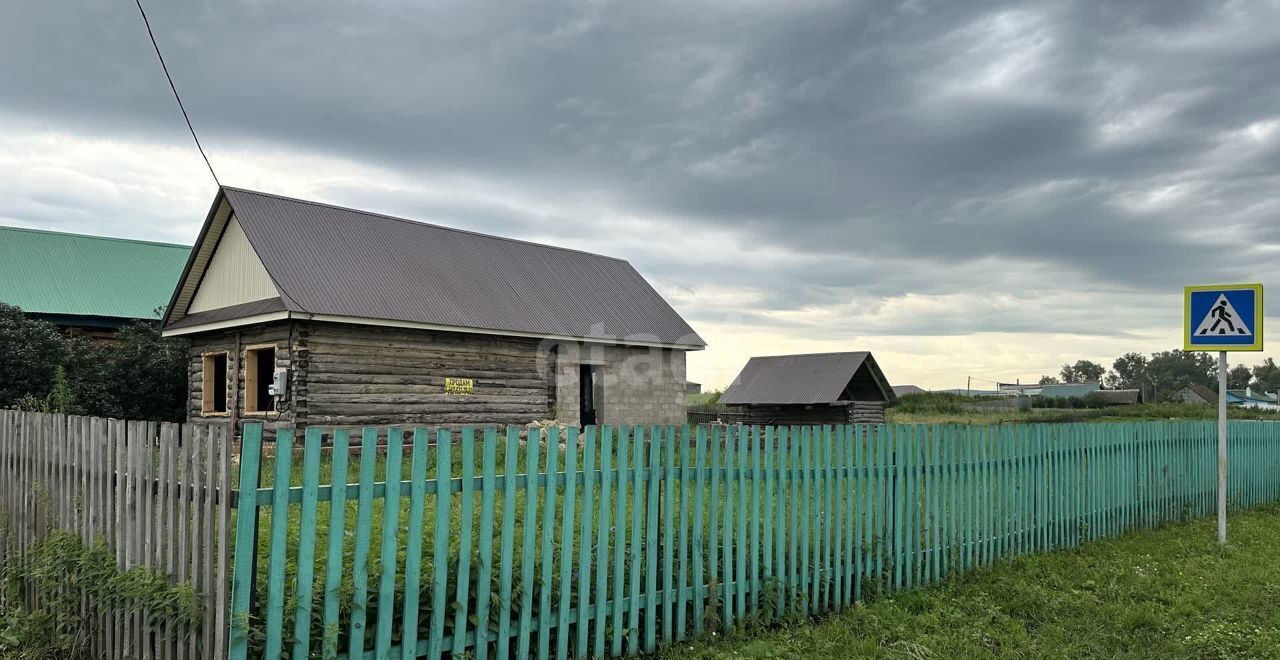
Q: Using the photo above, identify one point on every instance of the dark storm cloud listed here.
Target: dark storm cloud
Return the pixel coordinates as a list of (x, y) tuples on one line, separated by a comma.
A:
[(884, 148)]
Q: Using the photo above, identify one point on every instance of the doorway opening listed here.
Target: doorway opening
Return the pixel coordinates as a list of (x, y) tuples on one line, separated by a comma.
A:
[(589, 383)]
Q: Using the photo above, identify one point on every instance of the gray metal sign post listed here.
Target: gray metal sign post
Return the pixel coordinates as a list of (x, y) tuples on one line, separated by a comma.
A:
[(1222, 447), (1223, 317)]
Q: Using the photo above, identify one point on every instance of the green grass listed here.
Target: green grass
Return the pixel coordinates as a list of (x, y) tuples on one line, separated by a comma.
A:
[(1171, 593), (941, 408)]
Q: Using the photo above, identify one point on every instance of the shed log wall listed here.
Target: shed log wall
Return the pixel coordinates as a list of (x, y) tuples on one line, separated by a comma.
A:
[(858, 412)]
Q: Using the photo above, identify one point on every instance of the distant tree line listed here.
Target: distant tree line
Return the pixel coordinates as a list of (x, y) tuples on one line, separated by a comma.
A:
[(1166, 372), (138, 375)]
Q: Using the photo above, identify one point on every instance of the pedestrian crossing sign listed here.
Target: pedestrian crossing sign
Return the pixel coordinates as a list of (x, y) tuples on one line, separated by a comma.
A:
[(1224, 317)]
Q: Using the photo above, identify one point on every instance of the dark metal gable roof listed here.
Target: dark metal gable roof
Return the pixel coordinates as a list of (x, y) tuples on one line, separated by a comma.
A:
[(334, 261), (811, 378)]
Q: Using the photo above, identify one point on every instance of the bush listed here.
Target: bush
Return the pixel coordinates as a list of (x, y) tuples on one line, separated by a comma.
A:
[(30, 352), (1072, 402), (149, 373), (140, 375), (933, 402), (66, 573)]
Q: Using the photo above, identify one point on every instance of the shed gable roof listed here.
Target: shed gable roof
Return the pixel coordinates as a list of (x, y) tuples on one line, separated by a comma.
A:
[(343, 263), (811, 378), (50, 272)]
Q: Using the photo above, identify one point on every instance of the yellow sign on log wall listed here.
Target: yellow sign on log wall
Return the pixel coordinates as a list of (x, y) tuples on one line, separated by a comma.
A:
[(459, 385)]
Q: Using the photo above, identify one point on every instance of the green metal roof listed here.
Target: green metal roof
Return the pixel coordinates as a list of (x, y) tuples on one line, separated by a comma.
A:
[(51, 272)]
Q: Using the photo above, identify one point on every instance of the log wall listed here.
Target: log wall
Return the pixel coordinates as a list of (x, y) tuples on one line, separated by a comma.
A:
[(363, 375), (234, 342), (370, 375), (857, 412)]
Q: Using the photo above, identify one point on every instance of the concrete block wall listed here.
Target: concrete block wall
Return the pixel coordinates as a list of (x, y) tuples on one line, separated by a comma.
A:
[(641, 385)]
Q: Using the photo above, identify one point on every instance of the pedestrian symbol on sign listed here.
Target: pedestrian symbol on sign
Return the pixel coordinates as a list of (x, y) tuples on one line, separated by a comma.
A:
[(1223, 319)]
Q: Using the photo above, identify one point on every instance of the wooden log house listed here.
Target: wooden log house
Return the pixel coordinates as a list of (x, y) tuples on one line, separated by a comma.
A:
[(303, 313), (810, 389)]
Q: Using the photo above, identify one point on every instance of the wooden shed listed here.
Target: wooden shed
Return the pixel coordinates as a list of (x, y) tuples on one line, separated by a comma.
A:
[(307, 313), (814, 388)]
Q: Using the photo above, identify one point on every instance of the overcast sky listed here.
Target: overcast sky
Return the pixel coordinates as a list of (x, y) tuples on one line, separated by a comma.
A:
[(963, 188)]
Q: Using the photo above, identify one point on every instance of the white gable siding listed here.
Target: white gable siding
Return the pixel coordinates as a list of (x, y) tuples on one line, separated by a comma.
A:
[(235, 274)]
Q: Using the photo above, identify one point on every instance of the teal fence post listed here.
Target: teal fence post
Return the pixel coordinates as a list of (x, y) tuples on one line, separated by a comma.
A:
[(683, 587), (246, 523), (364, 529), (602, 610), (506, 550), (528, 542), (413, 546), (305, 586), (440, 545), (466, 506), (390, 531), (484, 572), (335, 545)]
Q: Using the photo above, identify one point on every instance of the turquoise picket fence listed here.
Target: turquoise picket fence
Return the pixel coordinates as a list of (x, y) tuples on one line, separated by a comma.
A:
[(610, 541)]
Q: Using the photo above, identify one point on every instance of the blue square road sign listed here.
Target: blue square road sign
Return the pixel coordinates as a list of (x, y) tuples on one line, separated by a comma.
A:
[(1225, 317)]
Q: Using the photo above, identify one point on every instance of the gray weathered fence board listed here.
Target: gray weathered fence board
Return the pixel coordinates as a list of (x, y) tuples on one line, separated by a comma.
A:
[(155, 494)]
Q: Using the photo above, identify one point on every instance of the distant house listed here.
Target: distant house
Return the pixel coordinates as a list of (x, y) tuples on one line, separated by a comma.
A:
[(1092, 392), (1246, 398), (306, 313), (90, 285), (1194, 393), (966, 391), (816, 388), (1069, 390), (900, 390), (1117, 397), (691, 387)]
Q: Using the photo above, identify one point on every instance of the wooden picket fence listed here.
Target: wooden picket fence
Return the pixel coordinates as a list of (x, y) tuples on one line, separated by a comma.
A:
[(614, 540), (157, 494)]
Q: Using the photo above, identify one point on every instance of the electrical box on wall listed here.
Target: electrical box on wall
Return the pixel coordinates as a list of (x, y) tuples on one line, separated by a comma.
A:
[(280, 385)]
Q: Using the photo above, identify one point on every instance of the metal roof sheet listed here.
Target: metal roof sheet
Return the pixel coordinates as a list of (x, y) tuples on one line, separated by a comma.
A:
[(800, 379), (1068, 390), (233, 312), (77, 274), (329, 260)]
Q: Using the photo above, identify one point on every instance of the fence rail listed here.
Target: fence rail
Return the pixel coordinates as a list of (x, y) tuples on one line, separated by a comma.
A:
[(611, 540), (158, 495)]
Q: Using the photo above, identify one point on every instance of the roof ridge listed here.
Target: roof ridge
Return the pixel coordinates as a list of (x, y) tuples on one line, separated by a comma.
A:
[(759, 357), (120, 239), (420, 223)]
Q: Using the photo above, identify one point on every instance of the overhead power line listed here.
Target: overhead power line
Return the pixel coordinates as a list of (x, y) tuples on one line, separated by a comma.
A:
[(176, 97)]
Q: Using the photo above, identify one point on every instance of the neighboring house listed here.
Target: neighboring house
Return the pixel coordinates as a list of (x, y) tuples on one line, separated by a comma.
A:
[(816, 388), (364, 318), (1247, 398), (966, 391), (1069, 390), (1019, 389), (1194, 393), (691, 387), (1092, 392), (1117, 397), (83, 284), (900, 390)]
